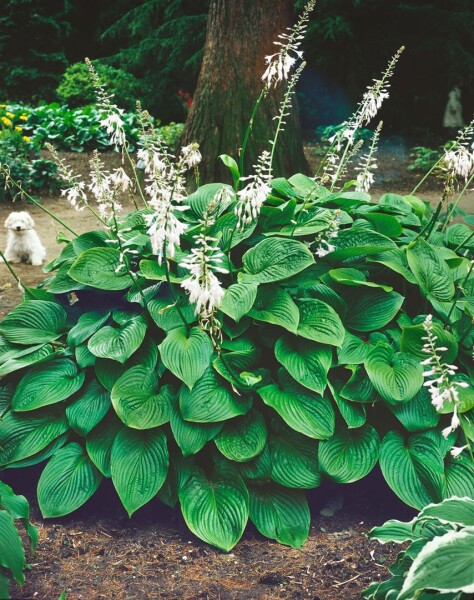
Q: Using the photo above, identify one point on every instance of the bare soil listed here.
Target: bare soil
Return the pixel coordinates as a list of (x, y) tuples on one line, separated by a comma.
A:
[(100, 553)]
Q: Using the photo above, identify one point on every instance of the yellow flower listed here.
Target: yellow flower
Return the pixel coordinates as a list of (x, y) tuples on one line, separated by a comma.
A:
[(26, 138), (3, 105), (24, 117), (6, 121), (10, 115), (18, 128)]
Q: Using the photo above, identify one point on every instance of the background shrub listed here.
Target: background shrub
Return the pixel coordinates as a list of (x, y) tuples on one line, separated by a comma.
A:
[(75, 88)]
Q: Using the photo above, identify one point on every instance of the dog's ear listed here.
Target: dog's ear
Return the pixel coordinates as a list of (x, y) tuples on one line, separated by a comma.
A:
[(8, 221), (29, 220)]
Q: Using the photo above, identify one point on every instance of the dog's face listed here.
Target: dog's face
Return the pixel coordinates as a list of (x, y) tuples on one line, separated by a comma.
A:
[(19, 221)]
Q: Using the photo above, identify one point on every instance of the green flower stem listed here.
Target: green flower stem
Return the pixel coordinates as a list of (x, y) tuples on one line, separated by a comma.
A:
[(11, 269), (127, 262), (170, 285), (460, 287), (249, 129), (453, 208), (425, 177), (464, 242), (43, 208), (135, 176)]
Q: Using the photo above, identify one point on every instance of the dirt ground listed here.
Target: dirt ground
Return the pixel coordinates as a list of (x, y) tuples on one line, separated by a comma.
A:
[(100, 553)]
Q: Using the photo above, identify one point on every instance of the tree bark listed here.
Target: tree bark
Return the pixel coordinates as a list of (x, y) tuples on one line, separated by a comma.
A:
[(240, 33)]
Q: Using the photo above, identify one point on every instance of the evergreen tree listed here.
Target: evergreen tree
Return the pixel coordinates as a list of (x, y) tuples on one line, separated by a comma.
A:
[(160, 42), (32, 39)]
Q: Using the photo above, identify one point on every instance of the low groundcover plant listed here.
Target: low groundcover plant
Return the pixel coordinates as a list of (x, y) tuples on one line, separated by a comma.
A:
[(231, 348)]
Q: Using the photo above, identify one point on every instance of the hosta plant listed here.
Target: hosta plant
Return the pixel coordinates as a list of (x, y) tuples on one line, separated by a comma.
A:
[(13, 508), (314, 371), (437, 563), (231, 348)]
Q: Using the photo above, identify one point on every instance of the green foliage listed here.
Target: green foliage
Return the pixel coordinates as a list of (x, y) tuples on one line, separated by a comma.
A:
[(19, 154), (317, 374), (25, 129), (437, 563), (75, 88), (32, 45), (161, 42), (12, 554)]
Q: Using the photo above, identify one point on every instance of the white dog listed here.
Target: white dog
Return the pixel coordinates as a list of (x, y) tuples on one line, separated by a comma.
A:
[(23, 243)]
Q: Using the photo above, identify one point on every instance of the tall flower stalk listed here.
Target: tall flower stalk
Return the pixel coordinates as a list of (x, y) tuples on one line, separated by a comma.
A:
[(456, 161), (279, 66), (368, 163), (113, 123), (438, 377), (202, 285), (372, 100)]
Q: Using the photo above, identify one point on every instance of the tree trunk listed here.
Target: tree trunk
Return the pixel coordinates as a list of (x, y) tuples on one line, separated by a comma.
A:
[(240, 33)]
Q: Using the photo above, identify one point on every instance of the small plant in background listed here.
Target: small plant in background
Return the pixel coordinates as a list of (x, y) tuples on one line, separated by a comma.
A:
[(76, 89), (20, 155), (13, 508), (424, 158), (231, 348), (437, 563)]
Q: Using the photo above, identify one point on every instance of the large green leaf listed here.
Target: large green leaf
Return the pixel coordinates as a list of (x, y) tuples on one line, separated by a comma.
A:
[(34, 322), (359, 388), (238, 300), (274, 305), (413, 468), (23, 435), (242, 438), (412, 341), (355, 350), (459, 473), (320, 322), (310, 414), (397, 376), (138, 465), (47, 384), (259, 469), (294, 459), (186, 354), (352, 413), (12, 555), (165, 314), (68, 480), (431, 271), (138, 401), (358, 242), (211, 400), (216, 508), (101, 268), (199, 200), (452, 510), (372, 309), (89, 409), (280, 514), (191, 437), (418, 413), (444, 564), (22, 360), (354, 277), (306, 361), (350, 454), (118, 343), (100, 440), (274, 259)]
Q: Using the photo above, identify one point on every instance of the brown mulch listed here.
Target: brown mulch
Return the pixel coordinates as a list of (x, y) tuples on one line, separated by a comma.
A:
[(100, 553)]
